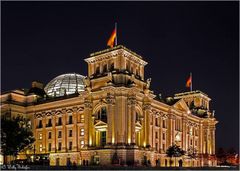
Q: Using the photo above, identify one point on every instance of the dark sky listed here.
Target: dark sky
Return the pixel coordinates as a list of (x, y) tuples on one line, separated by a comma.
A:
[(41, 40)]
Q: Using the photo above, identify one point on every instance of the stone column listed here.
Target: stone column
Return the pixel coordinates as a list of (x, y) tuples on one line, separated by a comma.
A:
[(129, 120), (147, 133), (184, 133), (173, 128), (64, 131), (169, 130), (87, 123), (133, 120), (110, 114), (160, 133), (44, 138), (200, 141), (75, 129), (54, 134), (213, 140)]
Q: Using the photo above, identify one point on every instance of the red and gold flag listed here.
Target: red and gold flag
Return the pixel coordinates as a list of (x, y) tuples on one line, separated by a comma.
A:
[(112, 38), (189, 81)]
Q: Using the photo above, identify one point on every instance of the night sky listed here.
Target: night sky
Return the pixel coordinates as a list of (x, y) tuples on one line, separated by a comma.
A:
[(41, 40)]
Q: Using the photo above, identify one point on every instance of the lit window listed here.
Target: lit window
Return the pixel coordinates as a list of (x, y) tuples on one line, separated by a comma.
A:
[(82, 132), (82, 143), (40, 136), (82, 118), (191, 131), (40, 147)]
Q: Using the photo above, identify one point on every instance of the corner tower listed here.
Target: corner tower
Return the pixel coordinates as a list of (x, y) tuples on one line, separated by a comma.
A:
[(118, 65)]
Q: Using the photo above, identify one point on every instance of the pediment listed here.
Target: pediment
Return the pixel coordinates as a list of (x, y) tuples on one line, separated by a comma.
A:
[(100, 123), (181, 105), (101, 126)]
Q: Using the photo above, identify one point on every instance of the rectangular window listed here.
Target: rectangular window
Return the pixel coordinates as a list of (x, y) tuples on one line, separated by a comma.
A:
[(156, 145), (49, 135), (191, 142), (70, 133), (70, 145), (163, 136), (49, 147), (60, 121), (164, 123), (164, 148), (156, 134), (196, 143), (82, 118), (40, 136), (49, 123), (40, 147), (59, 134), (40, 124), (81, 131), (156, 121), (196, 132), (59, 146), (70, 119)]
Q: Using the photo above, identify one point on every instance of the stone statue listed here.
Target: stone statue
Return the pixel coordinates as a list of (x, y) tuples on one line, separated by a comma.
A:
[(148, 83), (87, 83)]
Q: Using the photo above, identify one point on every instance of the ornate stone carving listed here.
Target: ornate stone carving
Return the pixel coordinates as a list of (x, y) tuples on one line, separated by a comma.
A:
[(88, 104), (131, 100), (110, 99), (79, 109), (147, 107)]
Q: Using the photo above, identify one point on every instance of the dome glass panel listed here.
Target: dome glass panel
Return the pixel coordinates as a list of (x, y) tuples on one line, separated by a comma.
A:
[(65, 84)]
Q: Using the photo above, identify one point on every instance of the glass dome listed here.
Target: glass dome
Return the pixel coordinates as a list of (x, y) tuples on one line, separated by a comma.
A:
[(65, 84)]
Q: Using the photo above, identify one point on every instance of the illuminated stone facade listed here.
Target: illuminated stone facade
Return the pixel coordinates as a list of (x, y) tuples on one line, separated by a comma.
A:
[(117, 119)]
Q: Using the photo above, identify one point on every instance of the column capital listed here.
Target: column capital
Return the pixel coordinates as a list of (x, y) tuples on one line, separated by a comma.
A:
[(147, 106), (131, 100), (88, 104), (110, 99)]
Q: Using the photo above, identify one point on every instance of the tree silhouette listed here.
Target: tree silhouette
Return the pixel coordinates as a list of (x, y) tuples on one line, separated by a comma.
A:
[(174, 151), (192, 153), (16, 135)]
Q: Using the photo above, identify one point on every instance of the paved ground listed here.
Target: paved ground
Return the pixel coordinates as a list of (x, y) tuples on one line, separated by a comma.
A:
[(29, 167), (131, 168)]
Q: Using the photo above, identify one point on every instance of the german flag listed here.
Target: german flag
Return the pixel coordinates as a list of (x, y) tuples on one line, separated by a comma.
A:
[(189, 81), (112, 38)]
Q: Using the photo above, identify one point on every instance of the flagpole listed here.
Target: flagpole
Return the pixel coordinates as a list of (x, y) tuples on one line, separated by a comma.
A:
[(116, 33), (191, 81)]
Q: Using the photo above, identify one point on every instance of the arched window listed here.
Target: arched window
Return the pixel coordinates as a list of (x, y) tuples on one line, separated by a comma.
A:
[(105, 68), (97, 70), (102, 114), (112, 66)]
